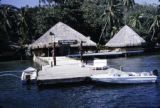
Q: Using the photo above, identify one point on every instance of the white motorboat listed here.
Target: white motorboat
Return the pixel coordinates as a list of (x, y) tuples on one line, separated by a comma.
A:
[(29, 75), (116, 76)]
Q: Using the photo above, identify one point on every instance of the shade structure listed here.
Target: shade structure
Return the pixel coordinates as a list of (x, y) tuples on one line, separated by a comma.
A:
[(126, 37), (61, 32)]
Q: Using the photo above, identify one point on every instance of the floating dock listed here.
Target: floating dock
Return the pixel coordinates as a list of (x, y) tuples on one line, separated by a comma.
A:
[(67, 70), (61, 74)]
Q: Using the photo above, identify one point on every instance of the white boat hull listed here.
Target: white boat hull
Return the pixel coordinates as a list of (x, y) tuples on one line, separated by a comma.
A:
[(120, 77), (126, 80)]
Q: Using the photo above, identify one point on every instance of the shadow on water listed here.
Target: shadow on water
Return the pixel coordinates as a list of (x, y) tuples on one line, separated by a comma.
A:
[(63, 85), (29, 86), (100, 85), (95, 85)]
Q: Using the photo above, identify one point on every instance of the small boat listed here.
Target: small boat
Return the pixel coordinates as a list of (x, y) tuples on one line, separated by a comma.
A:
[(29, 75), (115, 76)]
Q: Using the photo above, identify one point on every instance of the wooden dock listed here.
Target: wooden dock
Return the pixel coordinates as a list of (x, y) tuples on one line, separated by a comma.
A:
[(100, 54), (108, 54), (67, 71)]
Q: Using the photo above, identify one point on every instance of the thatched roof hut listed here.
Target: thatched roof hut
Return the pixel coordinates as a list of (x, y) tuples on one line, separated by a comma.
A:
[(61, 32), (126, 37)]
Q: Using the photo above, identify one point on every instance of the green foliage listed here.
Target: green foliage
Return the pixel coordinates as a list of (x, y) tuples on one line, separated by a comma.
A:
[(112, 16), (7, 25), (99, 19), (144, 21)]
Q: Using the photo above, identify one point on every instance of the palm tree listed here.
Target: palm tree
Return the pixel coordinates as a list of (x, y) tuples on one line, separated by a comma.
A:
[(8, 27), (128, 4), (7, 18), (5, 24), (135, 20), (155, 26), (22, 26), (113, 12), (112, 16)]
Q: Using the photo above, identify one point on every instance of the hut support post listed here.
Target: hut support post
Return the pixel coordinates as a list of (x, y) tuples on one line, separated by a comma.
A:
[(81, 51), (54, 54), (54, 48)]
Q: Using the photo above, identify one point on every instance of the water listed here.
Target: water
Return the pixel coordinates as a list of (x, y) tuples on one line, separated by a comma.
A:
[(15, 95)]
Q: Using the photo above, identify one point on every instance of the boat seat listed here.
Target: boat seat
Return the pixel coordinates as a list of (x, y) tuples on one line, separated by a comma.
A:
[(132, 74), (117, 75), (145, 74), (100, 64)]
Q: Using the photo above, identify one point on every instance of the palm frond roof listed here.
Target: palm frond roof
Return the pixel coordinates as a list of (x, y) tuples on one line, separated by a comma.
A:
[(126, 37), (59, 32)]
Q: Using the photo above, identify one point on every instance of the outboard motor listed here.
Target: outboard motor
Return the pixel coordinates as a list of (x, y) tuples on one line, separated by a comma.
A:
[(155, 72), (28, 79)]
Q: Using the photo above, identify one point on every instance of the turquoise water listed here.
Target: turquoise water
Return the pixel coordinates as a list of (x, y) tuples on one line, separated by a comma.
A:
[(15, 95)]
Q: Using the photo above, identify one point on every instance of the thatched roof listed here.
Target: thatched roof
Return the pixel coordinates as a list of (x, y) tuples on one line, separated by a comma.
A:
[(59, 32), (126, 37)]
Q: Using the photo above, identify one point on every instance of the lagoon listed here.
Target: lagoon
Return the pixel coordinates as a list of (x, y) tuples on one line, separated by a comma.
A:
[(15, 95)]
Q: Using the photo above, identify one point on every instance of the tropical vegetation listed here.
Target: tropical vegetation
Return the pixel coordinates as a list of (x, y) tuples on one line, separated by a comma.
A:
[(99, 19)]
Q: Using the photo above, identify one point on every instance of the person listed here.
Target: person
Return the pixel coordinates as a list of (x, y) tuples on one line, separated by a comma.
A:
[(155, 72)]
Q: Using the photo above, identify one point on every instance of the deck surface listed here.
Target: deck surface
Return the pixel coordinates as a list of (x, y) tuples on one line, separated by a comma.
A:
[(66, 69), (66, 72)]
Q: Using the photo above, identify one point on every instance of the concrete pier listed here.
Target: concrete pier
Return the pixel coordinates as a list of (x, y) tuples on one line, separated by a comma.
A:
[(67, 71)]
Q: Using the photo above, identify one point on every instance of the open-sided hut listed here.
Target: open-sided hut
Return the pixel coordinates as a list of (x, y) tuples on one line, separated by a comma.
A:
[(66, 39), (126, 40)]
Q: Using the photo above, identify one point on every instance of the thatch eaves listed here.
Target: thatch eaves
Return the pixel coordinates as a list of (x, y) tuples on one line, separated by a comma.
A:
[(59, 32), (126, 37)]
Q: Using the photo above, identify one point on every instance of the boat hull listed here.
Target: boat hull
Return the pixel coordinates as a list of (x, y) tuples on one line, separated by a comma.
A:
[(126, 80)]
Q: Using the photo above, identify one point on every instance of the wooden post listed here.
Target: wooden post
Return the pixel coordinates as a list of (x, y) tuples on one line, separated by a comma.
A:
[(48, 52), (54, 53), (81, 51), (54, 49)]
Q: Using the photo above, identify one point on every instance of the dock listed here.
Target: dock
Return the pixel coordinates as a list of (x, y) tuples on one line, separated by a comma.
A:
[(99, 54), (112, 54), (67, 71)]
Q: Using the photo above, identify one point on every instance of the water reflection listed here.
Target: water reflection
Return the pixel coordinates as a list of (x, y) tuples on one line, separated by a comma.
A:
[(137, 64), (14, 94)]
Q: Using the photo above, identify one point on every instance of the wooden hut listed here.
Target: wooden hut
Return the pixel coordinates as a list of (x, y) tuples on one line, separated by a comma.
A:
[(126, 40), (66, 39)]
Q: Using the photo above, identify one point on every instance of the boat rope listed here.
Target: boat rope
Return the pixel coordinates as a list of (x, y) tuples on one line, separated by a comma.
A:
[(9, 75)]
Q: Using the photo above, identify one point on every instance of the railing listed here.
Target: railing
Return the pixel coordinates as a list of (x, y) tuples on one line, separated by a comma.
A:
[(40, 61)]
